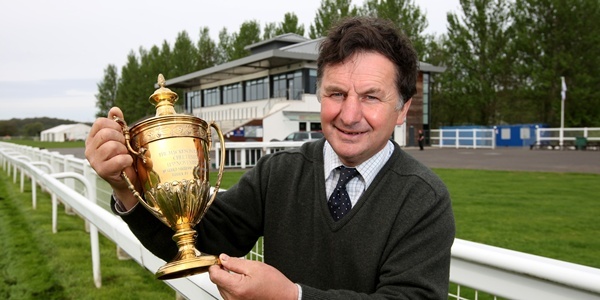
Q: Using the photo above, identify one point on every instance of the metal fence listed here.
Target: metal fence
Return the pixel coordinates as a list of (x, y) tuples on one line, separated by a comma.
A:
[(476, 269)]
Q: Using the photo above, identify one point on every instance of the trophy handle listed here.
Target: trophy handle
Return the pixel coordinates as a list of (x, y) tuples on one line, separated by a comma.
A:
[(221, 164), (125, 131)]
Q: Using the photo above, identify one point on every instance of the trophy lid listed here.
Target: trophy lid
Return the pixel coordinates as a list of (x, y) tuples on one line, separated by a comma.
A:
[(163, 98)]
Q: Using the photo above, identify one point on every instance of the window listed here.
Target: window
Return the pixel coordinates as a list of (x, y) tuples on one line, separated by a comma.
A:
[(257, 89), (312, 81), (232, 93), (279, 86), (425, 98), (194, 100), (211, 97)]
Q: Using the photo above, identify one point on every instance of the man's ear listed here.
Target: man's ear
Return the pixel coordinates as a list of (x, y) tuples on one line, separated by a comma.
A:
[(403, 112)]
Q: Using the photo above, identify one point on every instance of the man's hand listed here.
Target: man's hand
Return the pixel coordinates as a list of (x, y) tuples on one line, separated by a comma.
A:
[(106, 151), (246, 279)]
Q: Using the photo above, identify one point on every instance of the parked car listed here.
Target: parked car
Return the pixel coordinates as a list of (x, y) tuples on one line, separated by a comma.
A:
[(301, 136)]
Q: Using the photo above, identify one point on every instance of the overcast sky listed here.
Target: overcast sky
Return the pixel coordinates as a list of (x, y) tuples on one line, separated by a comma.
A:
[(53, 53)]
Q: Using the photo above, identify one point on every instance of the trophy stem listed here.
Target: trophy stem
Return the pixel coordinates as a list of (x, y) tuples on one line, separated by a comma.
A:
[(189, 260)]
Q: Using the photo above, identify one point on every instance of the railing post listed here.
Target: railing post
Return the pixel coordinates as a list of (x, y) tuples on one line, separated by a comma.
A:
[(243, 158), (457, 136)]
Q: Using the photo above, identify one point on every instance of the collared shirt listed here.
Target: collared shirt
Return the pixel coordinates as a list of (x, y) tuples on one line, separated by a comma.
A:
[(368, 170)]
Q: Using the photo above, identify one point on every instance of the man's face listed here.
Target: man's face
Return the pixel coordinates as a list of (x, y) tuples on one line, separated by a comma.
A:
[(358, 106)]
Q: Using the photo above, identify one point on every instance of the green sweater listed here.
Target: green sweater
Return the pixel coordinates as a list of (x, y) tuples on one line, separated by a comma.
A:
[(394, 244)]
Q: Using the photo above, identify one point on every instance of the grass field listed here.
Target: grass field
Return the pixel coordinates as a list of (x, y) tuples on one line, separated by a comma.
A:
[(49, 145), (37, 264)]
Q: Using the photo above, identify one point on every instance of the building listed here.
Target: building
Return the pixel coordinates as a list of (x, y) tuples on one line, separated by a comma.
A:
[(272, 92), (67, 132)]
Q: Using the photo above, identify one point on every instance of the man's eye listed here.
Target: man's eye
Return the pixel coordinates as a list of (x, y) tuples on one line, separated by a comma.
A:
[(337, 95)]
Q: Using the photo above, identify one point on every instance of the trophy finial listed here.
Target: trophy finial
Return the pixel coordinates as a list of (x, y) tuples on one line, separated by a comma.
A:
[(163, 98)]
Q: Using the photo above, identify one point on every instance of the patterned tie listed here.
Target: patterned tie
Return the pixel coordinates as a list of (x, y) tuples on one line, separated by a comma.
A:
[(339, 201)]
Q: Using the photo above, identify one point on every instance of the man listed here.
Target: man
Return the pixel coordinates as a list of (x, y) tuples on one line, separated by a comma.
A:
[(384, 230)]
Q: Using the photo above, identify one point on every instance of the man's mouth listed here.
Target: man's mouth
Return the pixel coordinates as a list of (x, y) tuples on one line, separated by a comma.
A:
[(348, 132)]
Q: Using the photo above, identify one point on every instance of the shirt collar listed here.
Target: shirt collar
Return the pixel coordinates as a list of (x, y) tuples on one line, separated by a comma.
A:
[(368, 169)]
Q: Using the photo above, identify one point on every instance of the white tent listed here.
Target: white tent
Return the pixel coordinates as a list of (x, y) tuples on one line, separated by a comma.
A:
[(67, 132)]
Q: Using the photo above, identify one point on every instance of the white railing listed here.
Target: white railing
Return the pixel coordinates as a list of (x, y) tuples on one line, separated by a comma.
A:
[(463, 138), (565, 138), (485, 269), (246, 154)]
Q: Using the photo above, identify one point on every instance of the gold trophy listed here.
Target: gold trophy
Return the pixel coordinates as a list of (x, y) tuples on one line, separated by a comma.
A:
[(171, 158)]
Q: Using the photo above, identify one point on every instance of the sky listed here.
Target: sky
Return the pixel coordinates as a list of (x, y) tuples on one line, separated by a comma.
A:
[(53, 53)]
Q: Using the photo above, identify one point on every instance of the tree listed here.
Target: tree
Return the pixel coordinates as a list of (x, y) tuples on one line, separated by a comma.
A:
[(249, 34), (184, 58), (207, 50), (225, 47), (107, 91), (269, 31), (290, 25), (478, 58), (330, 12), (33, 129), (555, 38), (133, 90), (405, 14)]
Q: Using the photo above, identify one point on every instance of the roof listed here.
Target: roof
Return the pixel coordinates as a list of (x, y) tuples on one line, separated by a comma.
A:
[(295, 49), (64, 127)]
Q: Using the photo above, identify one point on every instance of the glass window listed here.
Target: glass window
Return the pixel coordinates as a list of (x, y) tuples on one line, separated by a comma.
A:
[(232, 93), (257, 89), (279, 85), (312, 81), (425, 98), (211, 97)]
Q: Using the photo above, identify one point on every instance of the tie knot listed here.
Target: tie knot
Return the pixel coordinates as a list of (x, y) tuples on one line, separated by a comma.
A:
[(346, 174)]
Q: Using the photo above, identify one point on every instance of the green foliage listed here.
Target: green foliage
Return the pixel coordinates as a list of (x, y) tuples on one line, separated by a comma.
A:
[(504, 61), (107, 91), (29, 127), (556, 38), (330, 12), (405, 14), (290, 25), (478, 64), (249, 34)]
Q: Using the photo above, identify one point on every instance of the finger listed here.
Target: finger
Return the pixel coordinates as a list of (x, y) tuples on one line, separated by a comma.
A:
[(115, 112), (234, 264), (222, 277)]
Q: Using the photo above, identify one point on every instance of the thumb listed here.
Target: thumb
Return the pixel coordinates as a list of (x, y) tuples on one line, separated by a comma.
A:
[(115, 112), (234, 264)]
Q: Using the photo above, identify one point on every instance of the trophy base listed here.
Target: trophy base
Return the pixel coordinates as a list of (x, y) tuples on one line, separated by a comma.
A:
[(186, 267)]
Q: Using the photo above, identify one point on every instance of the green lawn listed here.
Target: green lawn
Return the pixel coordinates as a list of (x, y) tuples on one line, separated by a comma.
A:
[(48, 145), (37, 264)]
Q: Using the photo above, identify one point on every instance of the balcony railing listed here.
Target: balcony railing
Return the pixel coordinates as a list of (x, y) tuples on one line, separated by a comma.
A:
[(475, 267)]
